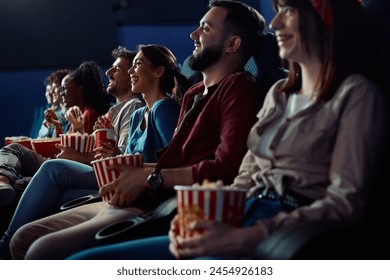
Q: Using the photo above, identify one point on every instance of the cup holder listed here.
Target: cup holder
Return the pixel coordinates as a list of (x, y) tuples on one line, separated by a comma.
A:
[(156, 222), (81, 201), (117, 232), (119, 227)]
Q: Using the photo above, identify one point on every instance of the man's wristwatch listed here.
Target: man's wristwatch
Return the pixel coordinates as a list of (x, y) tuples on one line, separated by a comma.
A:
[(155, 181)]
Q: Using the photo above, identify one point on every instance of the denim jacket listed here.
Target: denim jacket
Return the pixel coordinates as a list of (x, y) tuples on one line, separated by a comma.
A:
[(327, 152)]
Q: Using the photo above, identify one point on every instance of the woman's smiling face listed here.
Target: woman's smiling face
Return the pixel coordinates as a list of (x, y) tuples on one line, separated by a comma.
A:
[(142, 73), (293, 45), (286, 27)]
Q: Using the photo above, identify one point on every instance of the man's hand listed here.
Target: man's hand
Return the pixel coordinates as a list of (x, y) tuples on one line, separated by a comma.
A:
[(129, 186)]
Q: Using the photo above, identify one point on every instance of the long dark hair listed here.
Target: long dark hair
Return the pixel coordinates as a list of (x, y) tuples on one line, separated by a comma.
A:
[(89, 75), (341, 35), (172, 82)]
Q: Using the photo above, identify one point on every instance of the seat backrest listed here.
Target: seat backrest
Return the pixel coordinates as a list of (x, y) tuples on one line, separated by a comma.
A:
[(37, 121), (266, 64)]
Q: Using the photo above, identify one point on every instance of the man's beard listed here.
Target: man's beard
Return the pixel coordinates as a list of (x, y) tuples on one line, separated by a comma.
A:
[(206, 58), (112, 90)]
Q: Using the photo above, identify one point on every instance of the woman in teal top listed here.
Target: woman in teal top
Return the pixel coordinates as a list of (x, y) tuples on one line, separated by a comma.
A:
[(161, 123)]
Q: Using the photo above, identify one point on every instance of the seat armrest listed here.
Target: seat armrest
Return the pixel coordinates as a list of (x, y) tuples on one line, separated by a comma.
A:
[(315, 240), (83, 200)]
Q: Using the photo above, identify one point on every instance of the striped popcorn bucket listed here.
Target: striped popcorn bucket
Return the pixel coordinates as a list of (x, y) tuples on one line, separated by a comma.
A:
[(83, 143), (225, 205), (105, 176)]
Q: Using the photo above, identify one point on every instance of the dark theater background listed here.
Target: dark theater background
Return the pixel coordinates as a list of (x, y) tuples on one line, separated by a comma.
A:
[(40, 36)]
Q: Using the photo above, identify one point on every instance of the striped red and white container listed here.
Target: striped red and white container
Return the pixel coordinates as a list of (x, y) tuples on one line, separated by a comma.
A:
[(105, 134), (222, 204), (105, 176), (83, 143)]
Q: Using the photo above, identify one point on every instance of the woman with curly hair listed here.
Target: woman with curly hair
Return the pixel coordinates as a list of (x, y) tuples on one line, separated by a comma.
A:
[(84, 94)]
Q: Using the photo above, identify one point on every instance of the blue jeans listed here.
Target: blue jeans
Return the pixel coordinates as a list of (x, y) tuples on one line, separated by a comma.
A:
[(156, 248), (55, 183)]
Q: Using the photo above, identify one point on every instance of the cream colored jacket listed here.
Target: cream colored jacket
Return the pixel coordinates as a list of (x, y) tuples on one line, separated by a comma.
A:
[(327, 152)]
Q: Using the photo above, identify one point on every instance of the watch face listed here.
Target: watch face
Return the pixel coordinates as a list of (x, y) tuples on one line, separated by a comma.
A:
[(154, 180)]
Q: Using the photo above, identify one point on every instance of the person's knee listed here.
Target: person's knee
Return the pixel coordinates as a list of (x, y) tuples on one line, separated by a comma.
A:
[(43, 249), (21, 241), (60, 166), (13, 147), (52, 168), (25, 236), (52, 164)]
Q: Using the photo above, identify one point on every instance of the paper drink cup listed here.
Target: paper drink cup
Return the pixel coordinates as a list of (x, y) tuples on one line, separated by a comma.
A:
[(108, 134), (222, 204), (105, 176), (83, 143)]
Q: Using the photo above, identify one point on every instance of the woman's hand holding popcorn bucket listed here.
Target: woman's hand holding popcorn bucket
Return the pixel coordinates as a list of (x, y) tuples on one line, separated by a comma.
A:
[(75, 143), (205, 212)]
